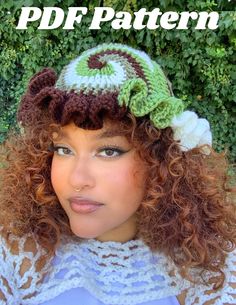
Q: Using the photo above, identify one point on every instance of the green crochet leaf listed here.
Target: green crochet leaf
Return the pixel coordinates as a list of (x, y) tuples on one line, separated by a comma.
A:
[(133, 94), (162, 115)]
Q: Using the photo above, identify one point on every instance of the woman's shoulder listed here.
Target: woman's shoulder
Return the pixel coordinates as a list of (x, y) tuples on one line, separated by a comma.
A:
[(12, 246), (18, 261), (206, 295), (19, 272)]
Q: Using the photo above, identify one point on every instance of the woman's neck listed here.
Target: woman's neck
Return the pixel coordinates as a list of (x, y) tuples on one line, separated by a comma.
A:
[(127, 231)]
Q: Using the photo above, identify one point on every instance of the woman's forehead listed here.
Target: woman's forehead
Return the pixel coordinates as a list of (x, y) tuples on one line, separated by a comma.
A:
[(109, 129)]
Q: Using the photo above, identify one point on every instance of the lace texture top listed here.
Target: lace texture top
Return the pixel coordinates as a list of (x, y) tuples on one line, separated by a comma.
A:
[(97, 272)]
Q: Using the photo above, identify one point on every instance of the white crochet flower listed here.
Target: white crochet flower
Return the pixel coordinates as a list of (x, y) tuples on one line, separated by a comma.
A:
[(191, 131)]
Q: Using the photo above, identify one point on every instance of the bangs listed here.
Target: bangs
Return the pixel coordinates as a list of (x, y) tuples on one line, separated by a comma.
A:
[(111, 127)]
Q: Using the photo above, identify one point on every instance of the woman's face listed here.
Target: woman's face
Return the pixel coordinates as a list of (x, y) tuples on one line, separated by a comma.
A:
[(111, 178)]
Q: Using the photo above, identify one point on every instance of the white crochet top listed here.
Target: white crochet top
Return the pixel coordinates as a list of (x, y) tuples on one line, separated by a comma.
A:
[(93, 272)]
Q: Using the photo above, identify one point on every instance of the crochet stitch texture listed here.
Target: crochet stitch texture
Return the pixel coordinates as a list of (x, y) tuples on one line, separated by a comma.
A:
[(111, 80), (114, 273), (108, 79), (139, 82)]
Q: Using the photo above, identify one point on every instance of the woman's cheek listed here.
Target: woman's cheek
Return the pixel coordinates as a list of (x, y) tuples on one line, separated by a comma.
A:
[(59, 174)]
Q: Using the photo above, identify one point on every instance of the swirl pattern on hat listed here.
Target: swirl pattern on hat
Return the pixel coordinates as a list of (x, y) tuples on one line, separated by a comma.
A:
[(139, 82), (111, 80)]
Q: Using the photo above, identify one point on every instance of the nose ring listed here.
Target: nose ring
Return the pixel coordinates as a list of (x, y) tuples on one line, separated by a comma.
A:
[(78, 189)]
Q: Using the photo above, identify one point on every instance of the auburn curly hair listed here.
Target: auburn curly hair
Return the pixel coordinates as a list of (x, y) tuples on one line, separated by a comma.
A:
[(188, 211)]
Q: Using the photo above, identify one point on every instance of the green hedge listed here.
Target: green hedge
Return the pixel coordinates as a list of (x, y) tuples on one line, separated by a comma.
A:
[(199, 63)]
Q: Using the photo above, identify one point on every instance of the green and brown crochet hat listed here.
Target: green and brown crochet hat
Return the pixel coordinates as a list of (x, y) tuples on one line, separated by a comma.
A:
[(110, 79)]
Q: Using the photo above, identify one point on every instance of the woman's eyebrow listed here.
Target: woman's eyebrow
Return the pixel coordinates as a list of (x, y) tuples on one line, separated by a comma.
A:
[(104, 134), (109, 134)]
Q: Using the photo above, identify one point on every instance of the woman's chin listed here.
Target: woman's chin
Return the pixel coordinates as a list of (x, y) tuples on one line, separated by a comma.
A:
[(83, 233)]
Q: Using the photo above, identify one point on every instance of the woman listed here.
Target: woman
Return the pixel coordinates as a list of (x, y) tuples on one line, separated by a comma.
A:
[(112, 193)]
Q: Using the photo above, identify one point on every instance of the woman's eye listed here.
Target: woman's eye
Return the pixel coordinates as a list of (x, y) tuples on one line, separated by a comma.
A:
[(62, 151), (110, 152)]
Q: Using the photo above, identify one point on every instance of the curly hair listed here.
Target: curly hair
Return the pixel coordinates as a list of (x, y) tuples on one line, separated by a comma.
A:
[(188, 211)]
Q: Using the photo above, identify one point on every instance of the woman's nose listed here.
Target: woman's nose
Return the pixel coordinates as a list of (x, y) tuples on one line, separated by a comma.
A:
[(82, 174)]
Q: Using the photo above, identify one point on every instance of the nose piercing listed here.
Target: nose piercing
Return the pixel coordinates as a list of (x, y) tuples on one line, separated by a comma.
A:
[(78, 189)]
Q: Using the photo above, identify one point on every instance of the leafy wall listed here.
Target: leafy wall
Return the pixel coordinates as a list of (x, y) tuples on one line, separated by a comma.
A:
[(199, 63)]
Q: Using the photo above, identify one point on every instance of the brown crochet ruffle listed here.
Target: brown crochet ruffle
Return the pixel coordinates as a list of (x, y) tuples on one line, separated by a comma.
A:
[(85, 109)]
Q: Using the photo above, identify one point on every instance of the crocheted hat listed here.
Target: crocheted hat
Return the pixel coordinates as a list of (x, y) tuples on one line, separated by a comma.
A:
[(111, 79)]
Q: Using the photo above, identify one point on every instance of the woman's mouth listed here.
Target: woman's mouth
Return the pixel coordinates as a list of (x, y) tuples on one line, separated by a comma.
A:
[(83, 206)]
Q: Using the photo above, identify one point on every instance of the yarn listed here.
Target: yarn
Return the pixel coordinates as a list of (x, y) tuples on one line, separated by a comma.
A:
[(111, 80)]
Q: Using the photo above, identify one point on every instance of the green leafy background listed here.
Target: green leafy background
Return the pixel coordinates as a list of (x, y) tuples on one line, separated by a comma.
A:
[(199, 63)]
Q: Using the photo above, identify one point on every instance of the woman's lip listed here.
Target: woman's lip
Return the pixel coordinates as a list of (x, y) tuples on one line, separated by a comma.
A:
[(84, 206), (83, 201)]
